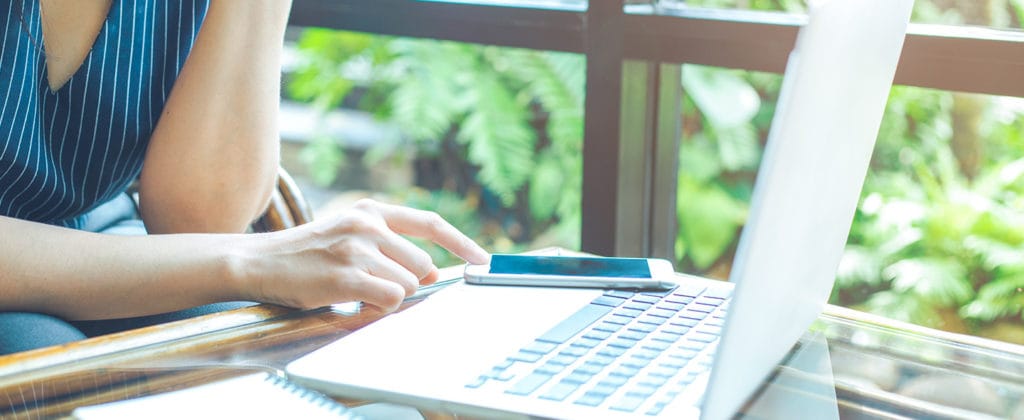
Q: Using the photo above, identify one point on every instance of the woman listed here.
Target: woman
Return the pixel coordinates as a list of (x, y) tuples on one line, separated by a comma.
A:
[(182, 96)]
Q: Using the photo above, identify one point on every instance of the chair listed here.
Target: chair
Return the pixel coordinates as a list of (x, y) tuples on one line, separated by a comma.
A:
[(288, 208)]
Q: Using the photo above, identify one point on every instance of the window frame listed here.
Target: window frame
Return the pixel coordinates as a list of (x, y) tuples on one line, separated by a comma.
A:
[(635, 51)]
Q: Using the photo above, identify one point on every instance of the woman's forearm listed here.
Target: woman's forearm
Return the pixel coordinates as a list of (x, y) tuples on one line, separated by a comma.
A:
[(80, 275), (212, 160)]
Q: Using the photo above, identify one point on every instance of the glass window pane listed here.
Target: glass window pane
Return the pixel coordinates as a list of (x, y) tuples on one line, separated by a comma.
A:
[(1002, 14), (938, 237), (488, 137)]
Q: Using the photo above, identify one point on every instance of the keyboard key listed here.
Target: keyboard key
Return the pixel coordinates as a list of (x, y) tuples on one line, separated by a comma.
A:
[(656, 408), (715, 321), (504, 365), (612, 351), (702, 337), (626, 371), (608, 327), (710, 329), (632, 335), (563, 359), (622, 343), (636, 363), (623, 294), (646, 354), (629, 313), (684, 354), (609, 301), (691, 314), (642, 328), (574, 351), (639, 306), (720, 293), (704, 300), (666, 337), (676, 299), (643, 391), (501, 375), (628, 403), (597, 335), (575, 323), (604, 389), (523, 356), (692, 345), (560, 391), (651, 320), (587, 343), (700, 307), (674, 363), (663, 372), (591, 400), (661, 313), (688, 290), (657, 346), (600, 359), (550, 369), (577, 377), (613, 381), (675, 329), (619, 319), (656, 293), (684, 322), (539, 347), (653, 381), (646, 299), (589, 369), (527, 385), (669, 306), (478, 382)]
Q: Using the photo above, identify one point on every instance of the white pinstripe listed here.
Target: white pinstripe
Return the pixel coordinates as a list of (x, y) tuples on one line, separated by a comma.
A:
[(113, 108)]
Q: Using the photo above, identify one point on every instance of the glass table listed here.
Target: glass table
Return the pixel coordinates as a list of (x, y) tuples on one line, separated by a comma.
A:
[(849, 364)]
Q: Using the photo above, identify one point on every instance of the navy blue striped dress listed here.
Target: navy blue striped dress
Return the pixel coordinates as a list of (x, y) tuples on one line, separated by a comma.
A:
[(65, 152)]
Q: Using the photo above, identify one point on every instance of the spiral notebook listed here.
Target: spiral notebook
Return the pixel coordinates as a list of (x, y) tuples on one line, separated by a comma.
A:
[(251, 396)]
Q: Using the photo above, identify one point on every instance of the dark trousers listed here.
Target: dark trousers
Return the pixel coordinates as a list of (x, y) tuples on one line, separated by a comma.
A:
[(21, 331)]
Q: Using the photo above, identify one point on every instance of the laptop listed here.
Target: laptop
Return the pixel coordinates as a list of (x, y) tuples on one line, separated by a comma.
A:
[(700, 350)]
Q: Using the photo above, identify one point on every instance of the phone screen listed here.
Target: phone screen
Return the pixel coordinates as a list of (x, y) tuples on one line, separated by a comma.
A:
[(570, 266)]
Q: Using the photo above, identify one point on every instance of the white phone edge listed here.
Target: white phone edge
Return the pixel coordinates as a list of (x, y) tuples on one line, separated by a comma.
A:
[(662, 275)]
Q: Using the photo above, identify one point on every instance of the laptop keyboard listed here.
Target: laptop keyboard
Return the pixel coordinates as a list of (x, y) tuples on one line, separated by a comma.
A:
[(628, 351)]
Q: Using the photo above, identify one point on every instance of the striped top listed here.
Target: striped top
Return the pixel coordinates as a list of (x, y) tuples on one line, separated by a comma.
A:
[(65, 152)]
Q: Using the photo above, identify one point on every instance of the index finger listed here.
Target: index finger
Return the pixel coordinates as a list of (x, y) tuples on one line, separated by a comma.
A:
[(429, 225)]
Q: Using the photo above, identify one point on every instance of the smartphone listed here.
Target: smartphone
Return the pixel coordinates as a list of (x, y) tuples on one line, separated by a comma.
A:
[(566, 271)]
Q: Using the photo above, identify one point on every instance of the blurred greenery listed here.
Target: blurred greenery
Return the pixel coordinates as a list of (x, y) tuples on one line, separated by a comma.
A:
[(938, 238)]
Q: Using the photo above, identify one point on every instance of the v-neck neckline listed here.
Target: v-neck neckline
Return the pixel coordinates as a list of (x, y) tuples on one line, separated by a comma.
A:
[(83, 66)]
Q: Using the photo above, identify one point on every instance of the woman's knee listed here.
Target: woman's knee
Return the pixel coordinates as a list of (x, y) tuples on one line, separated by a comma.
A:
[(21, 331)]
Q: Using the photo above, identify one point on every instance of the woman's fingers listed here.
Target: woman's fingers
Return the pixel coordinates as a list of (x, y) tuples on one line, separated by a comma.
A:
[(428, 225), (410, 256), (385, 268), (382, 293)]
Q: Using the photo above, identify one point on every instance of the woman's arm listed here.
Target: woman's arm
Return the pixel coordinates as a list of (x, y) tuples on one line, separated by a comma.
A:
[(359, 256), (213, 156)]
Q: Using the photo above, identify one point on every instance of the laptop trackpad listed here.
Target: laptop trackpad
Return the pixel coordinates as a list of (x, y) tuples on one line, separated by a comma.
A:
[(447, 340)]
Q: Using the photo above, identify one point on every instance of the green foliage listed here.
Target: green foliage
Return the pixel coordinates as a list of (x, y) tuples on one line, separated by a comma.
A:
[(514, 116)]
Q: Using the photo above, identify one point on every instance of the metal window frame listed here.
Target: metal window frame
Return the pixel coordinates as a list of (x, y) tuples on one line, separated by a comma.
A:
[(633, 53)]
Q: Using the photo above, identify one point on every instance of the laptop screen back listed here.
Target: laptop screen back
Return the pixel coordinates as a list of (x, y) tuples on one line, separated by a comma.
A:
[(829, 111)]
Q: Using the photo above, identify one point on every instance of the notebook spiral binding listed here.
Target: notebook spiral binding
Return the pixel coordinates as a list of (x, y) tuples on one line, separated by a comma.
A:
[(311, 396)]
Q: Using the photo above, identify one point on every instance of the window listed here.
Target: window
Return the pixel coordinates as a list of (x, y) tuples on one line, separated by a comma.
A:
[(946, 168)]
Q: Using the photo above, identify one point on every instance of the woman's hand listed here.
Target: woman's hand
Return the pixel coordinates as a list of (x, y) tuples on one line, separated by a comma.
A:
[(358, 256)]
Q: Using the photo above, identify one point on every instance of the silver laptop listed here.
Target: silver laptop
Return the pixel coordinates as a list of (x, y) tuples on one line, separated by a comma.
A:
[(700, 350)]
